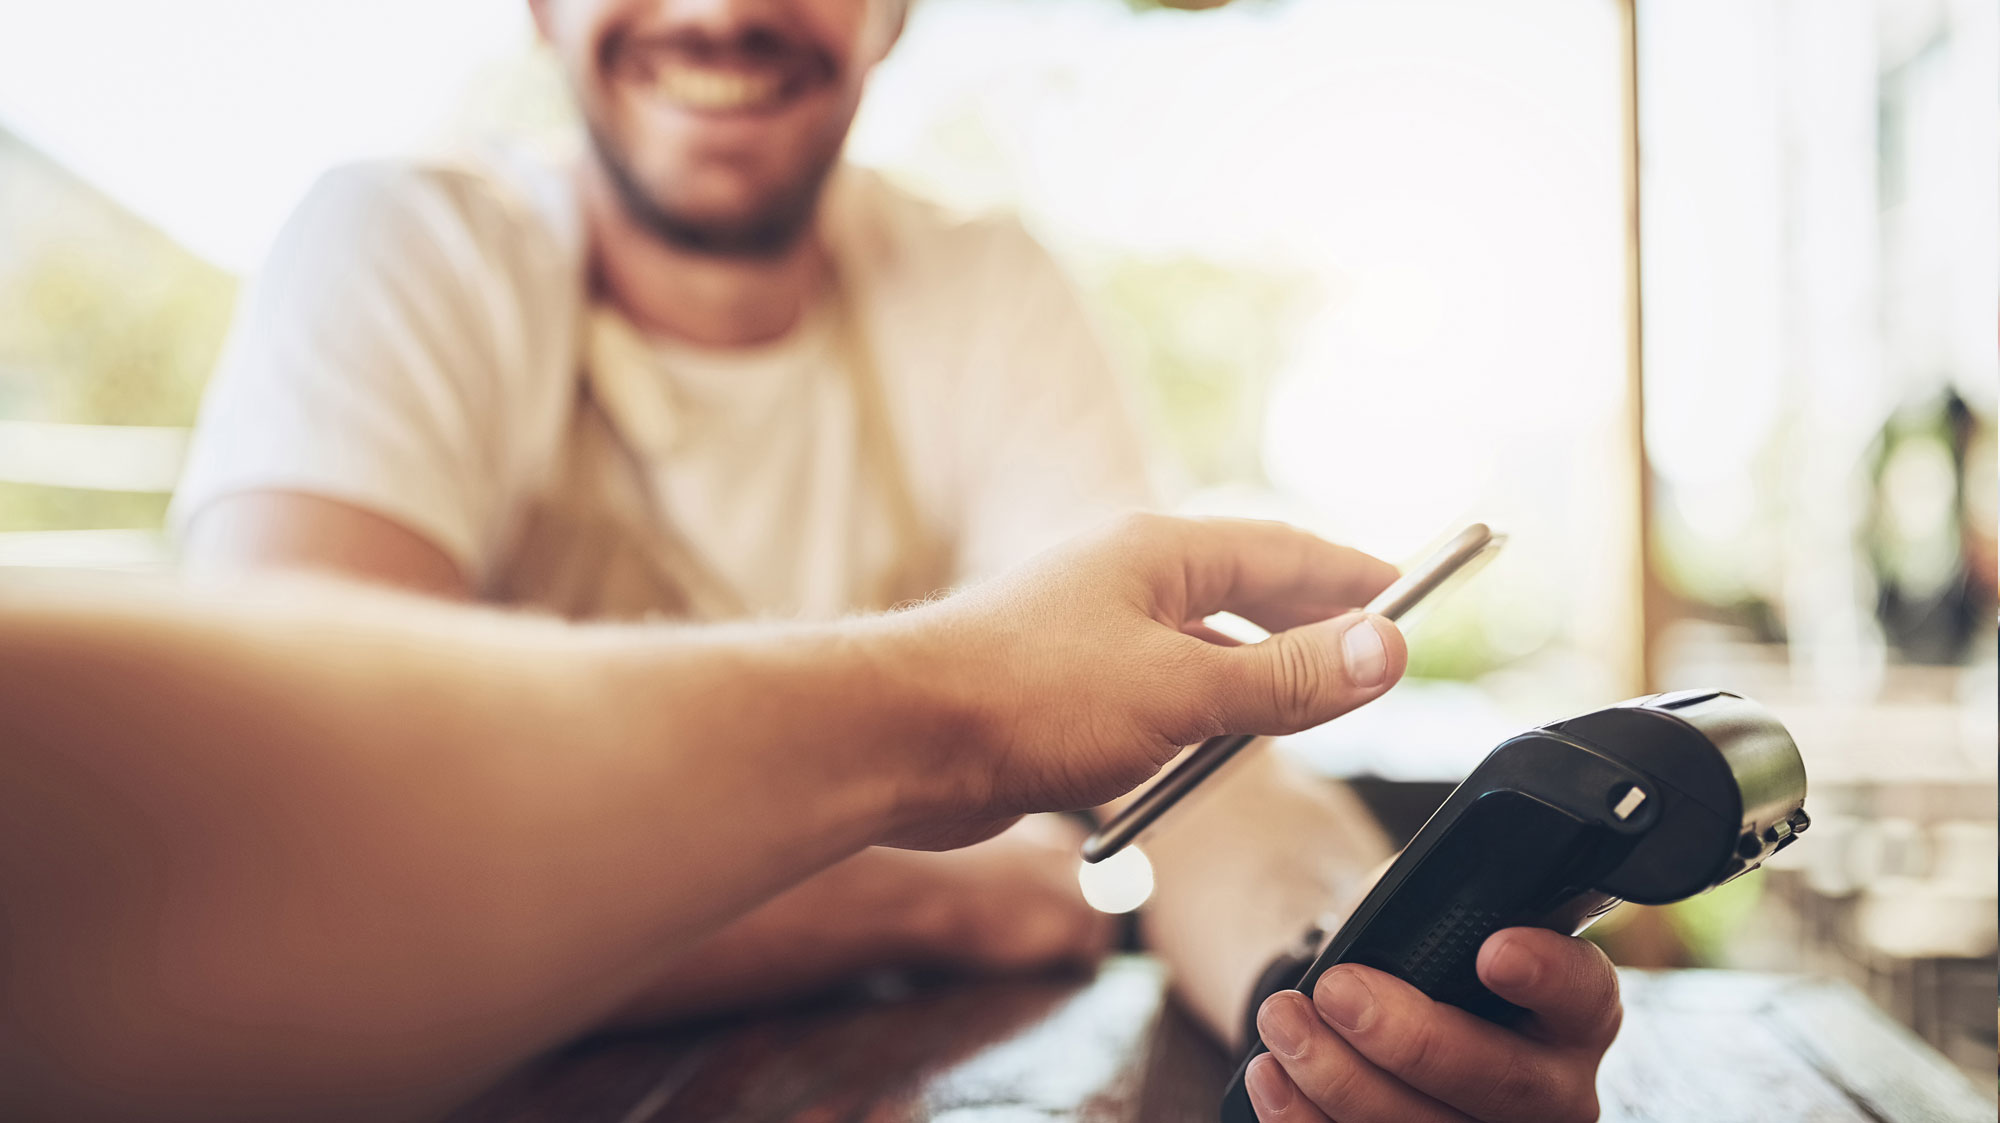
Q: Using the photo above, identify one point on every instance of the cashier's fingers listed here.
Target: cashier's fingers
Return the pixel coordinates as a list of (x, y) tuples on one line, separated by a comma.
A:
[(1274, 1097), (1568, 983), (1490, 1073), (1325, 1076)]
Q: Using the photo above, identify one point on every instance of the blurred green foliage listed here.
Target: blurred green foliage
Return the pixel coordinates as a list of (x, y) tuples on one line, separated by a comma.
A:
[(114, 336), (1707, 924), (32, 507), (1455, 644), (1205, 339), (104, 320)]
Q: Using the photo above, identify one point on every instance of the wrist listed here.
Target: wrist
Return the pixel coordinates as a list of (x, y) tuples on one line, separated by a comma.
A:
[(939, 729), (799, 725)]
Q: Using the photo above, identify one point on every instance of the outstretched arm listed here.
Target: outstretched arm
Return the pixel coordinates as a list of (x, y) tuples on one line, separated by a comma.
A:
[(348, 858), (334, 854), (1011, 903)]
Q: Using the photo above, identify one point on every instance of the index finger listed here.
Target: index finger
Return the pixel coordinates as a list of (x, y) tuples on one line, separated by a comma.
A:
[(1457, 1058), (1568, 984), (1274, 575)]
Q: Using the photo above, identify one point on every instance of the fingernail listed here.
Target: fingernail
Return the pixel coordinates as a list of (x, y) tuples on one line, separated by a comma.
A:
[(1270, 1091), (1512, 968), (1282, 1024), (1367, 659), (1345, 1000)]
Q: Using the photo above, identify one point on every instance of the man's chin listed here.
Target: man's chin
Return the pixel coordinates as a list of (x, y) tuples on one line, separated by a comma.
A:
[(771, 229), (772, 234), (715, 211)]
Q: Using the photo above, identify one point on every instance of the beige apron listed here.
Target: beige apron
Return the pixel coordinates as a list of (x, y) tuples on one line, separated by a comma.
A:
[(600, 542)]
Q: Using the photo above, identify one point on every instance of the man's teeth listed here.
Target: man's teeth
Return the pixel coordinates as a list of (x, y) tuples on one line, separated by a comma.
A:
[(703, 88)]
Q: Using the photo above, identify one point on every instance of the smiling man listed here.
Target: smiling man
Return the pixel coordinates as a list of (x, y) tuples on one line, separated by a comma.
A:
[(703, 372), (711, 372)]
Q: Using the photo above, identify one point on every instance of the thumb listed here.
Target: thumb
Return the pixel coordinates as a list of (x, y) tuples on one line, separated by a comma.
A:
[(1304, 676)]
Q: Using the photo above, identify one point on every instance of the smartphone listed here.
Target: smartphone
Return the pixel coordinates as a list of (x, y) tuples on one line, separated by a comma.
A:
[(1456, 560)]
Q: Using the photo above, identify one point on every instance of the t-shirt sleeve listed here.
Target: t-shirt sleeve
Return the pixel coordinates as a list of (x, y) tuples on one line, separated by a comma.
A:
[(371, 361), (1054, 448)]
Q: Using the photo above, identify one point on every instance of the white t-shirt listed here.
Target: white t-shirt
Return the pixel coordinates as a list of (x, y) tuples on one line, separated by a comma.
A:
[(420, 340)]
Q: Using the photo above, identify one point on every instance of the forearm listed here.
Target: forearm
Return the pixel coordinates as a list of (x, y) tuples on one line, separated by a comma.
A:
[(1241, 870), (320, 857), (881, 908), (864, 912), (1008, 904)]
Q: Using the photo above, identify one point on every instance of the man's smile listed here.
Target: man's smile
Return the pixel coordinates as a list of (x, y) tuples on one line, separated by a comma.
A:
[(761, 75), (716, 89)]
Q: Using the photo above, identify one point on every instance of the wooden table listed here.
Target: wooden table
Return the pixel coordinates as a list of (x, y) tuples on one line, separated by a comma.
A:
[(1702, 1046)]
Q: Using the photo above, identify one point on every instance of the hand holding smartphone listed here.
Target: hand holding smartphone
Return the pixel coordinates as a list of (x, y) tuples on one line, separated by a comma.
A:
[(1453, 562)]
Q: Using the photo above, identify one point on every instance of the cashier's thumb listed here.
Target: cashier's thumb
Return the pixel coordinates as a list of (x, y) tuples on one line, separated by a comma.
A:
[(1300, 678)]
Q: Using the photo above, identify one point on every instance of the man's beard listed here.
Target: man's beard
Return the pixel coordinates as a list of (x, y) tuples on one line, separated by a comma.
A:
[(770, 233)]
